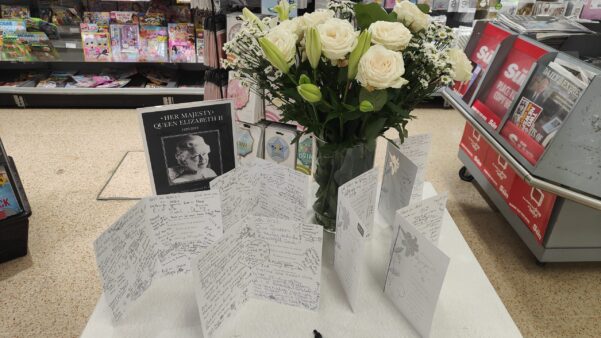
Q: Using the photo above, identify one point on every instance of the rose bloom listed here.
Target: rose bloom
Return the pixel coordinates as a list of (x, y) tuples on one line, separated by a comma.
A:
[(285, 40), (411, 16), (462, 67), (392, 35), (381, 68), (293, 26), (316, 18), (338, 38)]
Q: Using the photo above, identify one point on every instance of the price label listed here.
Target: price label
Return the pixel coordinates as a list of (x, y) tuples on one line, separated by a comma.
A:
[(70, 45), (74, 29)]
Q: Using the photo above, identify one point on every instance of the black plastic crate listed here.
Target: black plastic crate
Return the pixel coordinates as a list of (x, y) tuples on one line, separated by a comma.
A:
[(14, 231)]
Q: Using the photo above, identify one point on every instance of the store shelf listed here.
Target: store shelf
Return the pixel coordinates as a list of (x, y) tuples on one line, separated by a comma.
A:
[(542, 253), (31, 97), (454, 100)]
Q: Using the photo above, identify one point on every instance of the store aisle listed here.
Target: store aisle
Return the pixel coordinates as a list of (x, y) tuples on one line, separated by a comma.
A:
[(64, 158)]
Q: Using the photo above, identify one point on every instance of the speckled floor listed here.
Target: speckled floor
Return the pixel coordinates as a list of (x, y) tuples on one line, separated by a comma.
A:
[(65, 157)]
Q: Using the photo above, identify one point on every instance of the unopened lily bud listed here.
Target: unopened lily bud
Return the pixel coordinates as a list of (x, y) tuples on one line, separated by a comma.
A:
[(366, 106), (363, 45), (313, 47), (309, 92), (274, 55)]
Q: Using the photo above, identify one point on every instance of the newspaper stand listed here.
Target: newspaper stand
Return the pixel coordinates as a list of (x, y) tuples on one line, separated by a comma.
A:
[(553, 203), (14, 229)]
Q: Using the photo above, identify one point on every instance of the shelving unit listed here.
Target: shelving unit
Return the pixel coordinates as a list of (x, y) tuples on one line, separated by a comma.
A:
[(566, 175), (69, 47)]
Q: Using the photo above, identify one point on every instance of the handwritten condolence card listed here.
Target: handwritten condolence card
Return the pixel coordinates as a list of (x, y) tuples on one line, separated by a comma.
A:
[(155, 238), (258, 258)]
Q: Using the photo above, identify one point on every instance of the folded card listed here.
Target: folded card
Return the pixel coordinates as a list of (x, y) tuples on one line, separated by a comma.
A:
[(157, 237), (263, 258), (415, 275), (360, 193), (398, 182), (349, 250), (262, 188), (416, 148)]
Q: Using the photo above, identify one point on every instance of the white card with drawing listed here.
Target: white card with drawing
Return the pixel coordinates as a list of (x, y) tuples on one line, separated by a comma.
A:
[(416, 148), (416, 272), (264, 258), (397, 183), (157, 237), (360, 193), (349, 250), (426, 216)]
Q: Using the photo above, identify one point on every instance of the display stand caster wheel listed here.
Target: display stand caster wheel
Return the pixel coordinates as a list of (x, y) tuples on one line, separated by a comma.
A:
[(465, 175), (541, 264)]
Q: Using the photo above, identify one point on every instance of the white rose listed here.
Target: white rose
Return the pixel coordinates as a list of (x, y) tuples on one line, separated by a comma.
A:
[(392, 35), (411, 16), (292, 26), (285, 40), (338, 38), (381, 68), (462, 66), (316, 18)]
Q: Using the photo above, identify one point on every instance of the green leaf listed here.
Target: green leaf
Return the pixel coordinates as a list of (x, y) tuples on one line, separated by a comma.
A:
[(366, 14), (349, 107), (378, 98), (424, 8), (373, 128), (331, 116), (398, 110), (351, 115)]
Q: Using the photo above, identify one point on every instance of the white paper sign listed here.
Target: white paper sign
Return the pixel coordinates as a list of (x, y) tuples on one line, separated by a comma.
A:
[(416, 148), (155, 238), (415, 276), (360, 193), (262, 188), (259, 257), (349, 249), (397, 183)]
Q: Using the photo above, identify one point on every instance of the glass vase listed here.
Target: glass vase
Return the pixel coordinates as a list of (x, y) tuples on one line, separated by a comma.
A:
[(334, 167)]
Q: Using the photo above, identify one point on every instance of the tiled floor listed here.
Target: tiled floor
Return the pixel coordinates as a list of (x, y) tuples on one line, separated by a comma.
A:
[(65, 157)]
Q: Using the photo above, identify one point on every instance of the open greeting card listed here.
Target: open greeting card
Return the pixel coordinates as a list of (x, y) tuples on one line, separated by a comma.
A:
[(262, 258)]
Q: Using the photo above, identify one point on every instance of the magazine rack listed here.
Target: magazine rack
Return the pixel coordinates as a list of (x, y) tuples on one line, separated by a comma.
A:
[(70, 50), (554, 204)]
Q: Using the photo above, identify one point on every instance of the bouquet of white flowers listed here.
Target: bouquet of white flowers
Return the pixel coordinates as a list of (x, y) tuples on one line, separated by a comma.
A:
[(346, 74)]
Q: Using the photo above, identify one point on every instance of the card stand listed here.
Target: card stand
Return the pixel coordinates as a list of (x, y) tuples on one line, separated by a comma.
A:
[(15, 229)]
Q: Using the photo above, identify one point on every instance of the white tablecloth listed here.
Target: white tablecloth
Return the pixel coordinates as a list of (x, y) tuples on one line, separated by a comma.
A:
[(468, 304)]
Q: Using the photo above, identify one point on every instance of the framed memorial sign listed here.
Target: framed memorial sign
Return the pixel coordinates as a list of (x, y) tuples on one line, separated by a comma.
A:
[(189, 144)]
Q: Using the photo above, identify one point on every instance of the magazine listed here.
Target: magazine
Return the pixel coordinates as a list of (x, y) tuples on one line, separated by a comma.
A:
[(96, 43), (181, 43), (65, 16), (14, 12), (125, 42), (122, 18), (542, 24), (545, 8), (99, 18), (153, 44), (153, 19), (12, 25), (10, 205), (544, 104)]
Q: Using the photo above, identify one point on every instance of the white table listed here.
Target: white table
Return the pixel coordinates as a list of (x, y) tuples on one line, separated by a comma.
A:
[(468, 304)]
